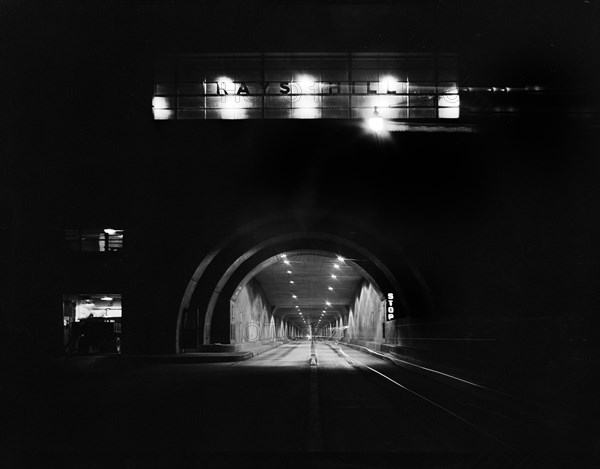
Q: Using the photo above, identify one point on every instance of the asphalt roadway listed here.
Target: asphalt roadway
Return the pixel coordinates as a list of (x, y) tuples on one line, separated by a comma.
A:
[(299, 405)]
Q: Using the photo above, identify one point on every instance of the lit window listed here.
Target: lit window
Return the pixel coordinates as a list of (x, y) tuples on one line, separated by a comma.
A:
[(306, 86), (92, 323), (98, 240)]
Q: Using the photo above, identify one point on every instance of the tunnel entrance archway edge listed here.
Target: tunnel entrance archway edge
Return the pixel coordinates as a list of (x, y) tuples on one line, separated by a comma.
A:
[(273, 242)]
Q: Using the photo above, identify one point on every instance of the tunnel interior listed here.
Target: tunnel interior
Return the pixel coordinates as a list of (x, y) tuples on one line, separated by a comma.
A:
[(303, 293), (266, 284)]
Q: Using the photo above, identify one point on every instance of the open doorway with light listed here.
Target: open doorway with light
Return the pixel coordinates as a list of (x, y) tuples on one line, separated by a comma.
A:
[(92, 323)]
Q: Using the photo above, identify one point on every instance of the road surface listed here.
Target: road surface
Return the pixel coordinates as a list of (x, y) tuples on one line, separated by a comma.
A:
[(302, 404)]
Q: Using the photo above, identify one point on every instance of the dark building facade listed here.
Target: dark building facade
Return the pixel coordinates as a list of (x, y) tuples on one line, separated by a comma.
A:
[(480, 214)]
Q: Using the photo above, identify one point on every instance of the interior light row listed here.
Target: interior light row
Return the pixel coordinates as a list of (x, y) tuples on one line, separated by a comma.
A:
[(328, 303)]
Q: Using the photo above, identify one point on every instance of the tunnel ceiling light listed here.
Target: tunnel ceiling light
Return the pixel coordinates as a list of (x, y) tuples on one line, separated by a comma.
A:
[(340, 258), (294, 296), (289, 271), (291, 281), (328, 303), (336, 266), (330, 288), (286, 262), (106, 298), (297, 306), (333, 276)]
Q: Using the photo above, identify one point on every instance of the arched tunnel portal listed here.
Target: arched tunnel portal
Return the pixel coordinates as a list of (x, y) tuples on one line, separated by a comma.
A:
[(294, 284)]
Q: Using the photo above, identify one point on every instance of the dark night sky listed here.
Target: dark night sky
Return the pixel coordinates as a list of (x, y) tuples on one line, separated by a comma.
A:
[(513, 40)]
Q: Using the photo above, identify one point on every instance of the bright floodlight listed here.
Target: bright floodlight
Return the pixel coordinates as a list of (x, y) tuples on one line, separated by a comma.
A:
[(306, 83), (226, 83), (376, 122), (387, 84), (110, 231), (340, 258)]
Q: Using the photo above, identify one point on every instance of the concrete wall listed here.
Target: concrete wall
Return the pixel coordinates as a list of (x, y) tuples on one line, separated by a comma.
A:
[(252, 319), (365, 316)]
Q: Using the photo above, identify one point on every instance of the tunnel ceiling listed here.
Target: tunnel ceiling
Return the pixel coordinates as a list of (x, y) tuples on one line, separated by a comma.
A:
[(317, 279)]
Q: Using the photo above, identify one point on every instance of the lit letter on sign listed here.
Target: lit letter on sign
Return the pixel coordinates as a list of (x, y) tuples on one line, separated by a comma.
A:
[(243, 88)]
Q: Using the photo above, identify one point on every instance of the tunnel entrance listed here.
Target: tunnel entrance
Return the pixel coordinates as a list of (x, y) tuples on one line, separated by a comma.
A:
[(305, 293), (242, 292)]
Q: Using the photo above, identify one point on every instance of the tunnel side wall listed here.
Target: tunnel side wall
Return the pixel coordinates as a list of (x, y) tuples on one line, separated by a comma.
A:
[(252, 319), (365, 317)]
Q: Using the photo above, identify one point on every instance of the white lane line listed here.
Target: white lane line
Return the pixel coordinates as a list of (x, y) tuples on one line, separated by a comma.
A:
[(430, 401)]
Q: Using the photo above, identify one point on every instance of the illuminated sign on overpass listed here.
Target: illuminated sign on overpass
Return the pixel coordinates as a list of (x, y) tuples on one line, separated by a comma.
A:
[(306, 86)]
